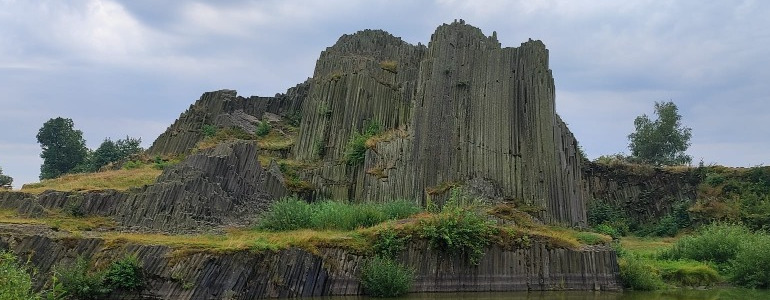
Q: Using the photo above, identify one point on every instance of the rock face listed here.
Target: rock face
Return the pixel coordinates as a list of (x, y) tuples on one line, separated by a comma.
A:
[(223, 185), (644, 193), (462, 108), (223, 108), (298, 273)]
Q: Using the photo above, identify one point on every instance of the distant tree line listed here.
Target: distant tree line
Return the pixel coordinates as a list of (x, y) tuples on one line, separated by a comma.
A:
[(64, 149)]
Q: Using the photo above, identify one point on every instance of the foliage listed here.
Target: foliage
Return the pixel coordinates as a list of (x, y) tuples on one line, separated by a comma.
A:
[(263, 128), (293, 213), (356, 148), (389, 243), (458, 231), (289, 213), (686, 272), (607, 218), (123, 179), (63, 147), (80, 282), (638, 273), (110, 152), (589, 238), (717, 243), (5, 181), (751, 265), (209, 130), (384, 277), (15, 278), (125, 274), (670, 224), (663, 141)]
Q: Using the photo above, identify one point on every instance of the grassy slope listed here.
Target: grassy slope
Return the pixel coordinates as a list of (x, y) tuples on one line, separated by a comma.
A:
[(112, 179)]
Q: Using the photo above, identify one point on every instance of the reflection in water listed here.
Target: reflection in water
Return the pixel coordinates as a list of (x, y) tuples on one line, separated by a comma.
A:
[(683, 294)]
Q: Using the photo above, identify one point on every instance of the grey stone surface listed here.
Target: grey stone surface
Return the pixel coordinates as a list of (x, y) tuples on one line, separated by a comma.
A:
[(330, 271)]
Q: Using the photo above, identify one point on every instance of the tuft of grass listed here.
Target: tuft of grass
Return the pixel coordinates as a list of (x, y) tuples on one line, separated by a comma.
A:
[(687, 272), (386, 136), (111, 179), (293, 213), (389, 65), (384, 277)]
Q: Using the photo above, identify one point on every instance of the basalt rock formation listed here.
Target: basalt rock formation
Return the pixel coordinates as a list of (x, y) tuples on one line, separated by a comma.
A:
[(328, 271), (461, 109), (223, 185)]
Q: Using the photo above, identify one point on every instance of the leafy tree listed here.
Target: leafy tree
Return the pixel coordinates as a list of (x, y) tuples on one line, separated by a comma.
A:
[(109, 152), (63, 147), (5, 181), (662, 141)]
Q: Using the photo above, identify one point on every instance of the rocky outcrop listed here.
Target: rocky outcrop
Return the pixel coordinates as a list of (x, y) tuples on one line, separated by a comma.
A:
[(224, 108), (463, 108), (330, 271), (644, 193), (223, 185)]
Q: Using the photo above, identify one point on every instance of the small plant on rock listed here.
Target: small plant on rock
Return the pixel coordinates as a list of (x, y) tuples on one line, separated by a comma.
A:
[(384, 277)]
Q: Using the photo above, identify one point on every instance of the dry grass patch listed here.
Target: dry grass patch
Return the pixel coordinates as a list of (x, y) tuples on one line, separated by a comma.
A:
[(386, 136), (59, 221), (112, 179)]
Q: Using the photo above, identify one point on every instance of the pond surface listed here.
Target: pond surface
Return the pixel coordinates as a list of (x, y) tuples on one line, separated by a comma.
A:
[(683, 294)]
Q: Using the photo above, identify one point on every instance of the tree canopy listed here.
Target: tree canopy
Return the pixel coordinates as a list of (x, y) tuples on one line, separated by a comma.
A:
[(63, 147), (5, 181), (110, 151), (662, 141)]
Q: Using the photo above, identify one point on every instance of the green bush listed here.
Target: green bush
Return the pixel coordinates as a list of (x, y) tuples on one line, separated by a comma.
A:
[(209, 130), (458, 231), (125, 274), (388, 243), (384, 277), (15, 278), (287, 214), (751, 266), (717, 243), (79, 282), (356, 148), (605, 228), (639, 274), (263, 128)]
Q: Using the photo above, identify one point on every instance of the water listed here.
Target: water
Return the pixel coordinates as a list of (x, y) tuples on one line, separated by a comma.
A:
[(682, 294)]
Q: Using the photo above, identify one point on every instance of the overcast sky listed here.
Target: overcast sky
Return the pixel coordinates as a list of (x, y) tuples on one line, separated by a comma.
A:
[(131, 67)]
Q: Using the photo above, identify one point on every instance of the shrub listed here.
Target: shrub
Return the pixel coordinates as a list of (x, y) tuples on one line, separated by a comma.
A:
[(751, 266), (263, 128), (209, 130), (125, 274), (389, 244), (356, 148), (458, 231), (15, 279), (717, 243), (605, 228), (639, 274), (77, 281), (287, 214), (384, 277)]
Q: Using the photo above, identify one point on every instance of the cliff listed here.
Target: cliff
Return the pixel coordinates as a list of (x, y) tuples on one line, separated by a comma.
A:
[(221, 186), (328, 271)]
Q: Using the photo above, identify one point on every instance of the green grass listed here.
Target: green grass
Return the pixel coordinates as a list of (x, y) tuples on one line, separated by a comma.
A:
[(293, 213), (112, 179), (384, 277)]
